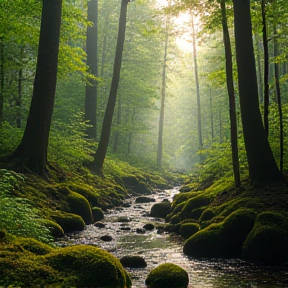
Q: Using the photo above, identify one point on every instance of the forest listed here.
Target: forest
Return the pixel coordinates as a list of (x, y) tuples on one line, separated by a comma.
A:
[(109, 106)]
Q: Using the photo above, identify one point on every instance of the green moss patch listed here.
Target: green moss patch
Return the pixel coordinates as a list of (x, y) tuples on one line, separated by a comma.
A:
[(97, 213), (188, 229), (167, 275), (224, 239), (268, 240)]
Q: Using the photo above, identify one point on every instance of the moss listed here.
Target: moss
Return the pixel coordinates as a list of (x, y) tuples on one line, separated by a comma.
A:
[(97, 213), (268, 240), (32, 245), (133, 261), (188, 229), (193, 204), (160, 210), (175, 219), (224, 239), (167, 275), (68, 221), (183, 197), (90, 266), (78, 205), (172, 228), (207, 215), (55, 229)]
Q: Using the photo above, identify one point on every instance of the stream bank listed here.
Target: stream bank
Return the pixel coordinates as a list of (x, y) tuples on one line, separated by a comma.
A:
[(124, 225)]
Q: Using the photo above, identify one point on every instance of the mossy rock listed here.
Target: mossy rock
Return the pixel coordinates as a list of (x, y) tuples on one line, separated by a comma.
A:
[(79, 205), (268, 240), (167, 275), (188, 229), (144, 199), (68, 221), (32, 245), (194, 204), (172, 228), (98, 214), (175, 219), (87, 191), (133, 261), (55, 229), (160, 210), (224, 239), (207, 215), (196, 213), (90, 266)]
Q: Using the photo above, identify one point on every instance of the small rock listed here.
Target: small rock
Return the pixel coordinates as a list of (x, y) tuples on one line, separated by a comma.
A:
[(99, 225), (125, 228), (144, 199), (149, 226), (123, 219), (126, 205), (106, 238), (133, 262), (140, 231)]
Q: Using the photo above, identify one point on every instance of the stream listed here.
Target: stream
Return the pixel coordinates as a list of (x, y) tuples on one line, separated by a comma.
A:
[(125, 226)]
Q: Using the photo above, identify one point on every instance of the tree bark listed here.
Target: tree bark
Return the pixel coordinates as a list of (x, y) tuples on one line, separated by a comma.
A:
[(92, 63), (163, 95), (279, 100), (199, 122), (32, 151), (230, 88), (262, 165), (2, 59), (108, 117), (266, 67)]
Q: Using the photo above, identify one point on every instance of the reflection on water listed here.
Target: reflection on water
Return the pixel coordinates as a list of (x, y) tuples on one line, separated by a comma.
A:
[(160, 248)]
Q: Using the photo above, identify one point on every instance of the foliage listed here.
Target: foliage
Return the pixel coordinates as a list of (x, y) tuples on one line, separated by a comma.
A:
[(10, 137), (17, 215)]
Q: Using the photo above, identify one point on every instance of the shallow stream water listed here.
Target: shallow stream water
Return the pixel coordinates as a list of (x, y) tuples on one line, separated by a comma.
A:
[(156, 247)]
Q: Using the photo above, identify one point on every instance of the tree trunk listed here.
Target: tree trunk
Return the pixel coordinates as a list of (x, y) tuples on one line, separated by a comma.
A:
[(230, 88), (2, 59), (279, 101), (262, 165), (266, 67), (199, 124), (163, 95), (92, 63), (32, 151), (108, 117), (117, 134), (258, 44)]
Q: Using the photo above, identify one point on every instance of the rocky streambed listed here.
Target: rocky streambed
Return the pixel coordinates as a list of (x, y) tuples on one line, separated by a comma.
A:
[(124, 231)]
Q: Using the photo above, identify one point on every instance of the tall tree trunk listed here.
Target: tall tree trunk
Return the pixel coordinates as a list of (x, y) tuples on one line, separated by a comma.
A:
[(2, 59), (258, 44), (163, 94), (32, 151), (211, 117), (199, 124), (262, 165), (230, 88), (108, 117), (117, 134), (92, 63), (266, 67), (279, 101), (19, 98)]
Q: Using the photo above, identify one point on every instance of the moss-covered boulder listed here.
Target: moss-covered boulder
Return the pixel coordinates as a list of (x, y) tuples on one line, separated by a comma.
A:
[(224, 239), (68, 221), (188, 229), (97, 214), (194, 206), (167, 275), (268, 240), (90, 266), (160, 210), (55, 229), (172, 228), (79, 205), (32, 245), (207, 215), (133, 261)]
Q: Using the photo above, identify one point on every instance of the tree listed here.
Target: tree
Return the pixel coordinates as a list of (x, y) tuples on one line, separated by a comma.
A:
[(230, 88), (92, 63), (108, 117), (32, 150), (262, 165)]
